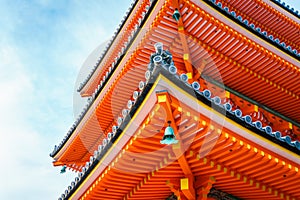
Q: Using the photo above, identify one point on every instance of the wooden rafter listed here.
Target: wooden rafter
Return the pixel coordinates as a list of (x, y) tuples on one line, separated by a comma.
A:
[(186, 51), (186, 183)]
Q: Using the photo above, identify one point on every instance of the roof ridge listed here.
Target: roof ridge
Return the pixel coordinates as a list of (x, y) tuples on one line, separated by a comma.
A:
[(206, 94), (123, 21)]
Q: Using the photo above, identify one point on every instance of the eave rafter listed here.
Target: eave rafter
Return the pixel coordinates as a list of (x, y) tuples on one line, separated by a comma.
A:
[(240, 147), (189, 192), (274, 87), (251, 174), (183, 34), (114, 50), (239, 66), (223, 168), (264, 15)]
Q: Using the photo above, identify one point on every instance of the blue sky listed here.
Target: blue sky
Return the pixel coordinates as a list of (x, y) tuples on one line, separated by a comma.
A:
[(42, 48)]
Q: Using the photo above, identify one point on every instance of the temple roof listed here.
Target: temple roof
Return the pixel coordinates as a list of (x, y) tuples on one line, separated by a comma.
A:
[(117, 46), (259, 30), (134, 150), (110, 45), (248, 79), (238, 19), (287, 7), (267, 18), (236, 71)]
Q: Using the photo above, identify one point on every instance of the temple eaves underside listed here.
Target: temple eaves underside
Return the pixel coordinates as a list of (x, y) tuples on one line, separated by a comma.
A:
[(213, 149), (236, 76), (248, 74)]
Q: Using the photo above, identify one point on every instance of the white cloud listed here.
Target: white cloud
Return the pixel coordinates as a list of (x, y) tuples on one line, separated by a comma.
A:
[(26, 167), (39, 60)]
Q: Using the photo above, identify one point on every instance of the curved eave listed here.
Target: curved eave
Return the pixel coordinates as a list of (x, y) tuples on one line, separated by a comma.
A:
[(253, 37), (253, 31), (110, 48), (263, 14), (79, 146), (255, 61), (90, 126), (115, 48), (138, 136), (289, 12)]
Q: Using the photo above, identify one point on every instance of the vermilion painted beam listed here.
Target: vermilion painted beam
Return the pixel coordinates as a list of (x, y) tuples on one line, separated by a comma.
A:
[(174, 186), (182, 34), (204, 184), (187, 187)]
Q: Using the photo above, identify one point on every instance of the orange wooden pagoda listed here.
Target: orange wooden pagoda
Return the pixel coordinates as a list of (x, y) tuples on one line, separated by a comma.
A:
[(191, 100)]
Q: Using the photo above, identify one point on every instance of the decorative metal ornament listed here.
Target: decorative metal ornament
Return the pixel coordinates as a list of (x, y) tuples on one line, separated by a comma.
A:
[(63, 169), (169, 136), (176, 15)]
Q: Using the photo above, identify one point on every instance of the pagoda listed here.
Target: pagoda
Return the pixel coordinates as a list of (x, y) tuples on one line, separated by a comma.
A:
[(191, 100)]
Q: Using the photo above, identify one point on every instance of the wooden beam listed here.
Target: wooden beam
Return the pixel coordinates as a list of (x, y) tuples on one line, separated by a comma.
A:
[(177, 149), (203, 185), (164, 100), (187, 183), (187, 187), (182, 34), (174, 186)]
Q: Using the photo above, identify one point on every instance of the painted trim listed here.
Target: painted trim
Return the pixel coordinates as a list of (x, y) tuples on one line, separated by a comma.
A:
[(163, 83)]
